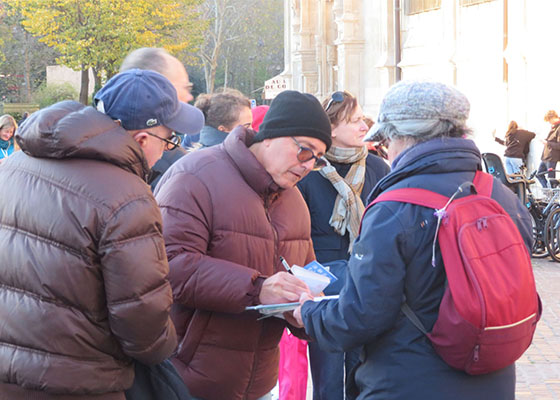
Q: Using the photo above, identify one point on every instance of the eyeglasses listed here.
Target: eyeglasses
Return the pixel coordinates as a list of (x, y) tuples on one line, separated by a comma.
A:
[(305, 154), (171, 143), (336, 97)]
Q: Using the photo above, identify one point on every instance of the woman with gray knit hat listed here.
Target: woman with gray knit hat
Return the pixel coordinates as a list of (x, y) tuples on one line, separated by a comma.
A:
[(229, 213), (335, 196), (424, 124)]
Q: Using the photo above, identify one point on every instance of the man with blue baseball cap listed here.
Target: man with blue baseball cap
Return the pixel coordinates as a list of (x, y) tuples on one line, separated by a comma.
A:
[(159, 60), (83, 283)]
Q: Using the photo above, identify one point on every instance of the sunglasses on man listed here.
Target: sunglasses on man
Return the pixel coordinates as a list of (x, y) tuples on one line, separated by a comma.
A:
[(170, 144), (305, 154)]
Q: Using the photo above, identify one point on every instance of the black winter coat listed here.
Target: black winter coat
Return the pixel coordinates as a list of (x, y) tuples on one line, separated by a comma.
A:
[(320, 195), (391, 259), (551, 151)]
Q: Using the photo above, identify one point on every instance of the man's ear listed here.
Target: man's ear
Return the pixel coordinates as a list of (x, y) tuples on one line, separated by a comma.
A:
[(141, 138), (222, 128)]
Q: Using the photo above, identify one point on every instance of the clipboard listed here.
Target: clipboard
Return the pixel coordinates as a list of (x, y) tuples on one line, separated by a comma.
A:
[(272, 310)]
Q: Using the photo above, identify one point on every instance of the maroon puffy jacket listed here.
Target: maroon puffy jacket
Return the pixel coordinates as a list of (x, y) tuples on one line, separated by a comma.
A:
[(226, 223)]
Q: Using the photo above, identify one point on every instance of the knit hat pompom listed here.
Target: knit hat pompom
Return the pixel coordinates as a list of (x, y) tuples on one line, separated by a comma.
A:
[(295, 114)]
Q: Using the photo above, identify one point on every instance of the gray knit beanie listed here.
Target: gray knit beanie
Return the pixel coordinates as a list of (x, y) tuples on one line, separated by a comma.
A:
[(421, 101), (295, 114)]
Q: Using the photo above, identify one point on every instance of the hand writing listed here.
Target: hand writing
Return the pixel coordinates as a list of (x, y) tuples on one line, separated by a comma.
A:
[(282, 287)]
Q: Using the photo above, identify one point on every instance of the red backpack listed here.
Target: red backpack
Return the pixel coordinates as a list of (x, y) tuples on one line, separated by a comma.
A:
[(490, 307)]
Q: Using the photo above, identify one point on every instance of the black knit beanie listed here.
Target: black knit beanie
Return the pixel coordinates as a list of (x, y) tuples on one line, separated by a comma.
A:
[(295, 114)]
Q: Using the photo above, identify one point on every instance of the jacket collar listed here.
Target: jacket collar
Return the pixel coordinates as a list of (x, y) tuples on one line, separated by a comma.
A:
[(237, 145), (210, 136), (71, 130), (436, 156)]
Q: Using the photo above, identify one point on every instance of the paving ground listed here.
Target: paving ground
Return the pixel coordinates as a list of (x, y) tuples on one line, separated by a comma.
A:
[(538, 371)]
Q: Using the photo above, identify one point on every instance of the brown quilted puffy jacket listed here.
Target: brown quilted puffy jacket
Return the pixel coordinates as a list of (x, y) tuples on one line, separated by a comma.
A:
[(83, 277), (226, 223)]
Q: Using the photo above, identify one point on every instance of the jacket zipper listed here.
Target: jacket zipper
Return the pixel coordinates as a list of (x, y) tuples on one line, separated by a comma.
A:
[(252, 377), (276, 257), (492, 328)]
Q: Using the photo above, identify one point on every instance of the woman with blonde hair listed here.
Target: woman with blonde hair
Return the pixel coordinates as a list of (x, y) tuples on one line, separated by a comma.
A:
[(8, 126)]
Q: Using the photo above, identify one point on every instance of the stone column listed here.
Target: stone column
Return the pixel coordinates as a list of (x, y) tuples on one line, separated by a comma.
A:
[(287, 40), (295, 43), (320, 48), (350, 46), (305, 55)]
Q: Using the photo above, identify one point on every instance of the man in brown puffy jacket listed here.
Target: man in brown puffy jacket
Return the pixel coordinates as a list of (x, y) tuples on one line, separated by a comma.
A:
[(229, 212), (83, 282)]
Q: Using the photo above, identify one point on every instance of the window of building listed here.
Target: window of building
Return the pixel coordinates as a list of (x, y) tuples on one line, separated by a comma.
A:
[(418, 6), (467, 3)]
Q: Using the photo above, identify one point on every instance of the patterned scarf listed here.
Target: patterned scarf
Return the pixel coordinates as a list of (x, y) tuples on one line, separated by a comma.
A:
[(348, 206)]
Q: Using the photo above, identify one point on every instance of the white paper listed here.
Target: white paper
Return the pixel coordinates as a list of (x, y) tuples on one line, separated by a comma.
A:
[(316, 282)]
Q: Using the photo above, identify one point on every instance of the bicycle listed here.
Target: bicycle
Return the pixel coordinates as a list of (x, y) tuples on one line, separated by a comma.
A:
[(546, 237), (546, 219)]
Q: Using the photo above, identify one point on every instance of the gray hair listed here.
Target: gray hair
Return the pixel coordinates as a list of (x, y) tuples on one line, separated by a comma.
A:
[(421, 130), (419, 111), (151, 58)]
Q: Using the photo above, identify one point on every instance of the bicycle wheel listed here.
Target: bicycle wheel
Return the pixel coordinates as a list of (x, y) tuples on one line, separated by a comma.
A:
[(551, 229), (539, 249)]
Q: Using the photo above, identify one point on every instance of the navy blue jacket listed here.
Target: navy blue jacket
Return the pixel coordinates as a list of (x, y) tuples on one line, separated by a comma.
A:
[(391, 259), (320, 195)]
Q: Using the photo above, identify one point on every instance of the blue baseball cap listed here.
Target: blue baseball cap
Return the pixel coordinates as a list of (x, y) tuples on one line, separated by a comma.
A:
[(142, 99)]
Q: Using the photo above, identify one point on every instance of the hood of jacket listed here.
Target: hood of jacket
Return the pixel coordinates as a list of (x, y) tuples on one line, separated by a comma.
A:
[(210, 136), (436, 156), (71, 130), (237, 146)]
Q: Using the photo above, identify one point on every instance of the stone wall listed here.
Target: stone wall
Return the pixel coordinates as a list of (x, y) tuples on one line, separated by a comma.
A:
[(501, 53), (61, 74)]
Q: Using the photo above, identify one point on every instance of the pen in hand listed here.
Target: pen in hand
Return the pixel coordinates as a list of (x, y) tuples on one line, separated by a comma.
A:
[(286, 265)]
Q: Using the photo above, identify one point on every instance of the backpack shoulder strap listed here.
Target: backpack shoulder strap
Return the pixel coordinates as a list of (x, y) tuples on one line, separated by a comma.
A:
[(420, 197), (483, 183), (412, 317)]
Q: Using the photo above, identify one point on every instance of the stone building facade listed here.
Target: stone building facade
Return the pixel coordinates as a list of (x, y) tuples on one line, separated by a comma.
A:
[(501, 53)]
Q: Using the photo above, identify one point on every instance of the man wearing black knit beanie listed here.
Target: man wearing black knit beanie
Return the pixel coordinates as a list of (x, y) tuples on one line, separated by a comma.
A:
[(229, 213), (295, 114)]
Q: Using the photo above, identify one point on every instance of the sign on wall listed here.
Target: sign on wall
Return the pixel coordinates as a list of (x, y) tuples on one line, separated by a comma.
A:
[(276, 85)]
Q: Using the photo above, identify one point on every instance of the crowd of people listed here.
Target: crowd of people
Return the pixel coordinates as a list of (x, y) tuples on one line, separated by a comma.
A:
[(139, 229), (518, 142)]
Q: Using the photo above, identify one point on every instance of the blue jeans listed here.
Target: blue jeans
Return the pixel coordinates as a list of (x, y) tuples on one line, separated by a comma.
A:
[(545, 165), (513, 165)]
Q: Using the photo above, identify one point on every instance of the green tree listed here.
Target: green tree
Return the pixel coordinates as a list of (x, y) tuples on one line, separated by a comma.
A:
[(244, 44), (25, 59), (53, 93), (98, 34)]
